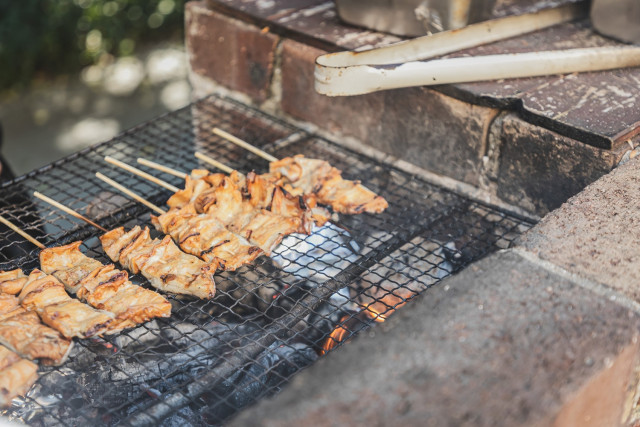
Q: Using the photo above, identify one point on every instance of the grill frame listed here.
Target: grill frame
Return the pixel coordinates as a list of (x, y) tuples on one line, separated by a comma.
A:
[(425, 225)]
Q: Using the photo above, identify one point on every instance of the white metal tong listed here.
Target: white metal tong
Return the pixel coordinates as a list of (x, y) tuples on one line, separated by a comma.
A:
[(402, 64)]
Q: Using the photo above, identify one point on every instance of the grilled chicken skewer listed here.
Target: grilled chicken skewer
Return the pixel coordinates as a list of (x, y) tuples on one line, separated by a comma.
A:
[(206, 237), (302, 175), (117, 240), (17, 375), (45, 295), (251, 208), (159, 260), (103, 286), (238, 200), (165, 266), (265, 228), (22, 332), (238, 219)]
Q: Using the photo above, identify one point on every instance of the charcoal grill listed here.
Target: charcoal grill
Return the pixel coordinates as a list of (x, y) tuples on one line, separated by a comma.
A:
[(269, 320)]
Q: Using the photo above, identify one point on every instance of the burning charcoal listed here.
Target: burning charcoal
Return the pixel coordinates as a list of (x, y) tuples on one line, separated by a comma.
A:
[(400, 276)]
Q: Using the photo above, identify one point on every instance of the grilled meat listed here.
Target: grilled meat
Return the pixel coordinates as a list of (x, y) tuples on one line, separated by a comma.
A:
[(45, 295), (103, 286), (160, 261), (22, 332), (195, 184), (16, 376), (313, 176), (261, 227), (12, 282), (206, 237), (255, 213)]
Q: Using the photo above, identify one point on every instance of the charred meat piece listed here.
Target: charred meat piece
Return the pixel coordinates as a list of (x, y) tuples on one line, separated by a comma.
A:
[(45, 295), (313, 176), (103, 286), (254, 209), (244, 216), (206, 237), (17, 375), (23, 332), (198, 182), (165, 266), (266, 229)]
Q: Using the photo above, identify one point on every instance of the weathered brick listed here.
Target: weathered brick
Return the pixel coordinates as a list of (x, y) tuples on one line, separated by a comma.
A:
[(596, 234), (422, 126), (540, 169), (228, 51), (505, 342)]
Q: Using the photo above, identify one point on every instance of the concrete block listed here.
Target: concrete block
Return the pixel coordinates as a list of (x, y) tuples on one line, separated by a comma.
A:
[(505, 342)]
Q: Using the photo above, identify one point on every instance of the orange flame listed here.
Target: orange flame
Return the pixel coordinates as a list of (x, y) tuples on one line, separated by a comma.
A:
[(335, 338), (378, 310)]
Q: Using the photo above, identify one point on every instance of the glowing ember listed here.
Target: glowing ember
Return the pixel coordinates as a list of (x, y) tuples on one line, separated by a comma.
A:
[(336, 337), (382, 308), (348, 325)]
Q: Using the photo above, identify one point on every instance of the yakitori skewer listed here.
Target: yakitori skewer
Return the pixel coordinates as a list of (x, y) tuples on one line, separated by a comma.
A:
[(234, 139), (318, 177), (262, 190), (204, 236), (162, 168), (101, 286), (264, 218), (159, 260), (67, 210), (22, 332), (46, 296), (140, 173), (20, 232)]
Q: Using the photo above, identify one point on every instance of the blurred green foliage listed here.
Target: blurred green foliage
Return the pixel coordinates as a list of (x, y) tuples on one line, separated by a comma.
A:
[(46, 38)]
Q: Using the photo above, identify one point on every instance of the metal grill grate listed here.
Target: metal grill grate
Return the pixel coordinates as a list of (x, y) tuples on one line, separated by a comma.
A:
[(269, 319)]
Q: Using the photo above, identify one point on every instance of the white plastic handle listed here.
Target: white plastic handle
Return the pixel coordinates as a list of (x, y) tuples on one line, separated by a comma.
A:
[(397, 66)]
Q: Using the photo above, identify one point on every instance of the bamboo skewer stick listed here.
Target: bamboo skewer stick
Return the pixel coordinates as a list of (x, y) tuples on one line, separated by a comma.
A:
[(18, 230), (68, 210), (140, 173), (162, 168), (234, 139), (214, 162), (130, 193)]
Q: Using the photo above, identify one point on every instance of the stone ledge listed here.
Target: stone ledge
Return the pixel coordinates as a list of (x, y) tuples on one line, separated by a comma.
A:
[(596, 234), (505, 342)]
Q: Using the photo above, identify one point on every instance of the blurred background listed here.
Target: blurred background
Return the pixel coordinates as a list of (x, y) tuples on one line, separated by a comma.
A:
[(77, 72)]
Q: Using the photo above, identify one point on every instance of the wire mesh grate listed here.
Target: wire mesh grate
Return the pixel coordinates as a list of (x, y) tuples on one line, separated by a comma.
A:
[(269, 319)]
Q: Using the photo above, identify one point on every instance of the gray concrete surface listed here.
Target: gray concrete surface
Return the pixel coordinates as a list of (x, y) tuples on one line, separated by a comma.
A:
[(505, 342), (56, 119), (596, 234)]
